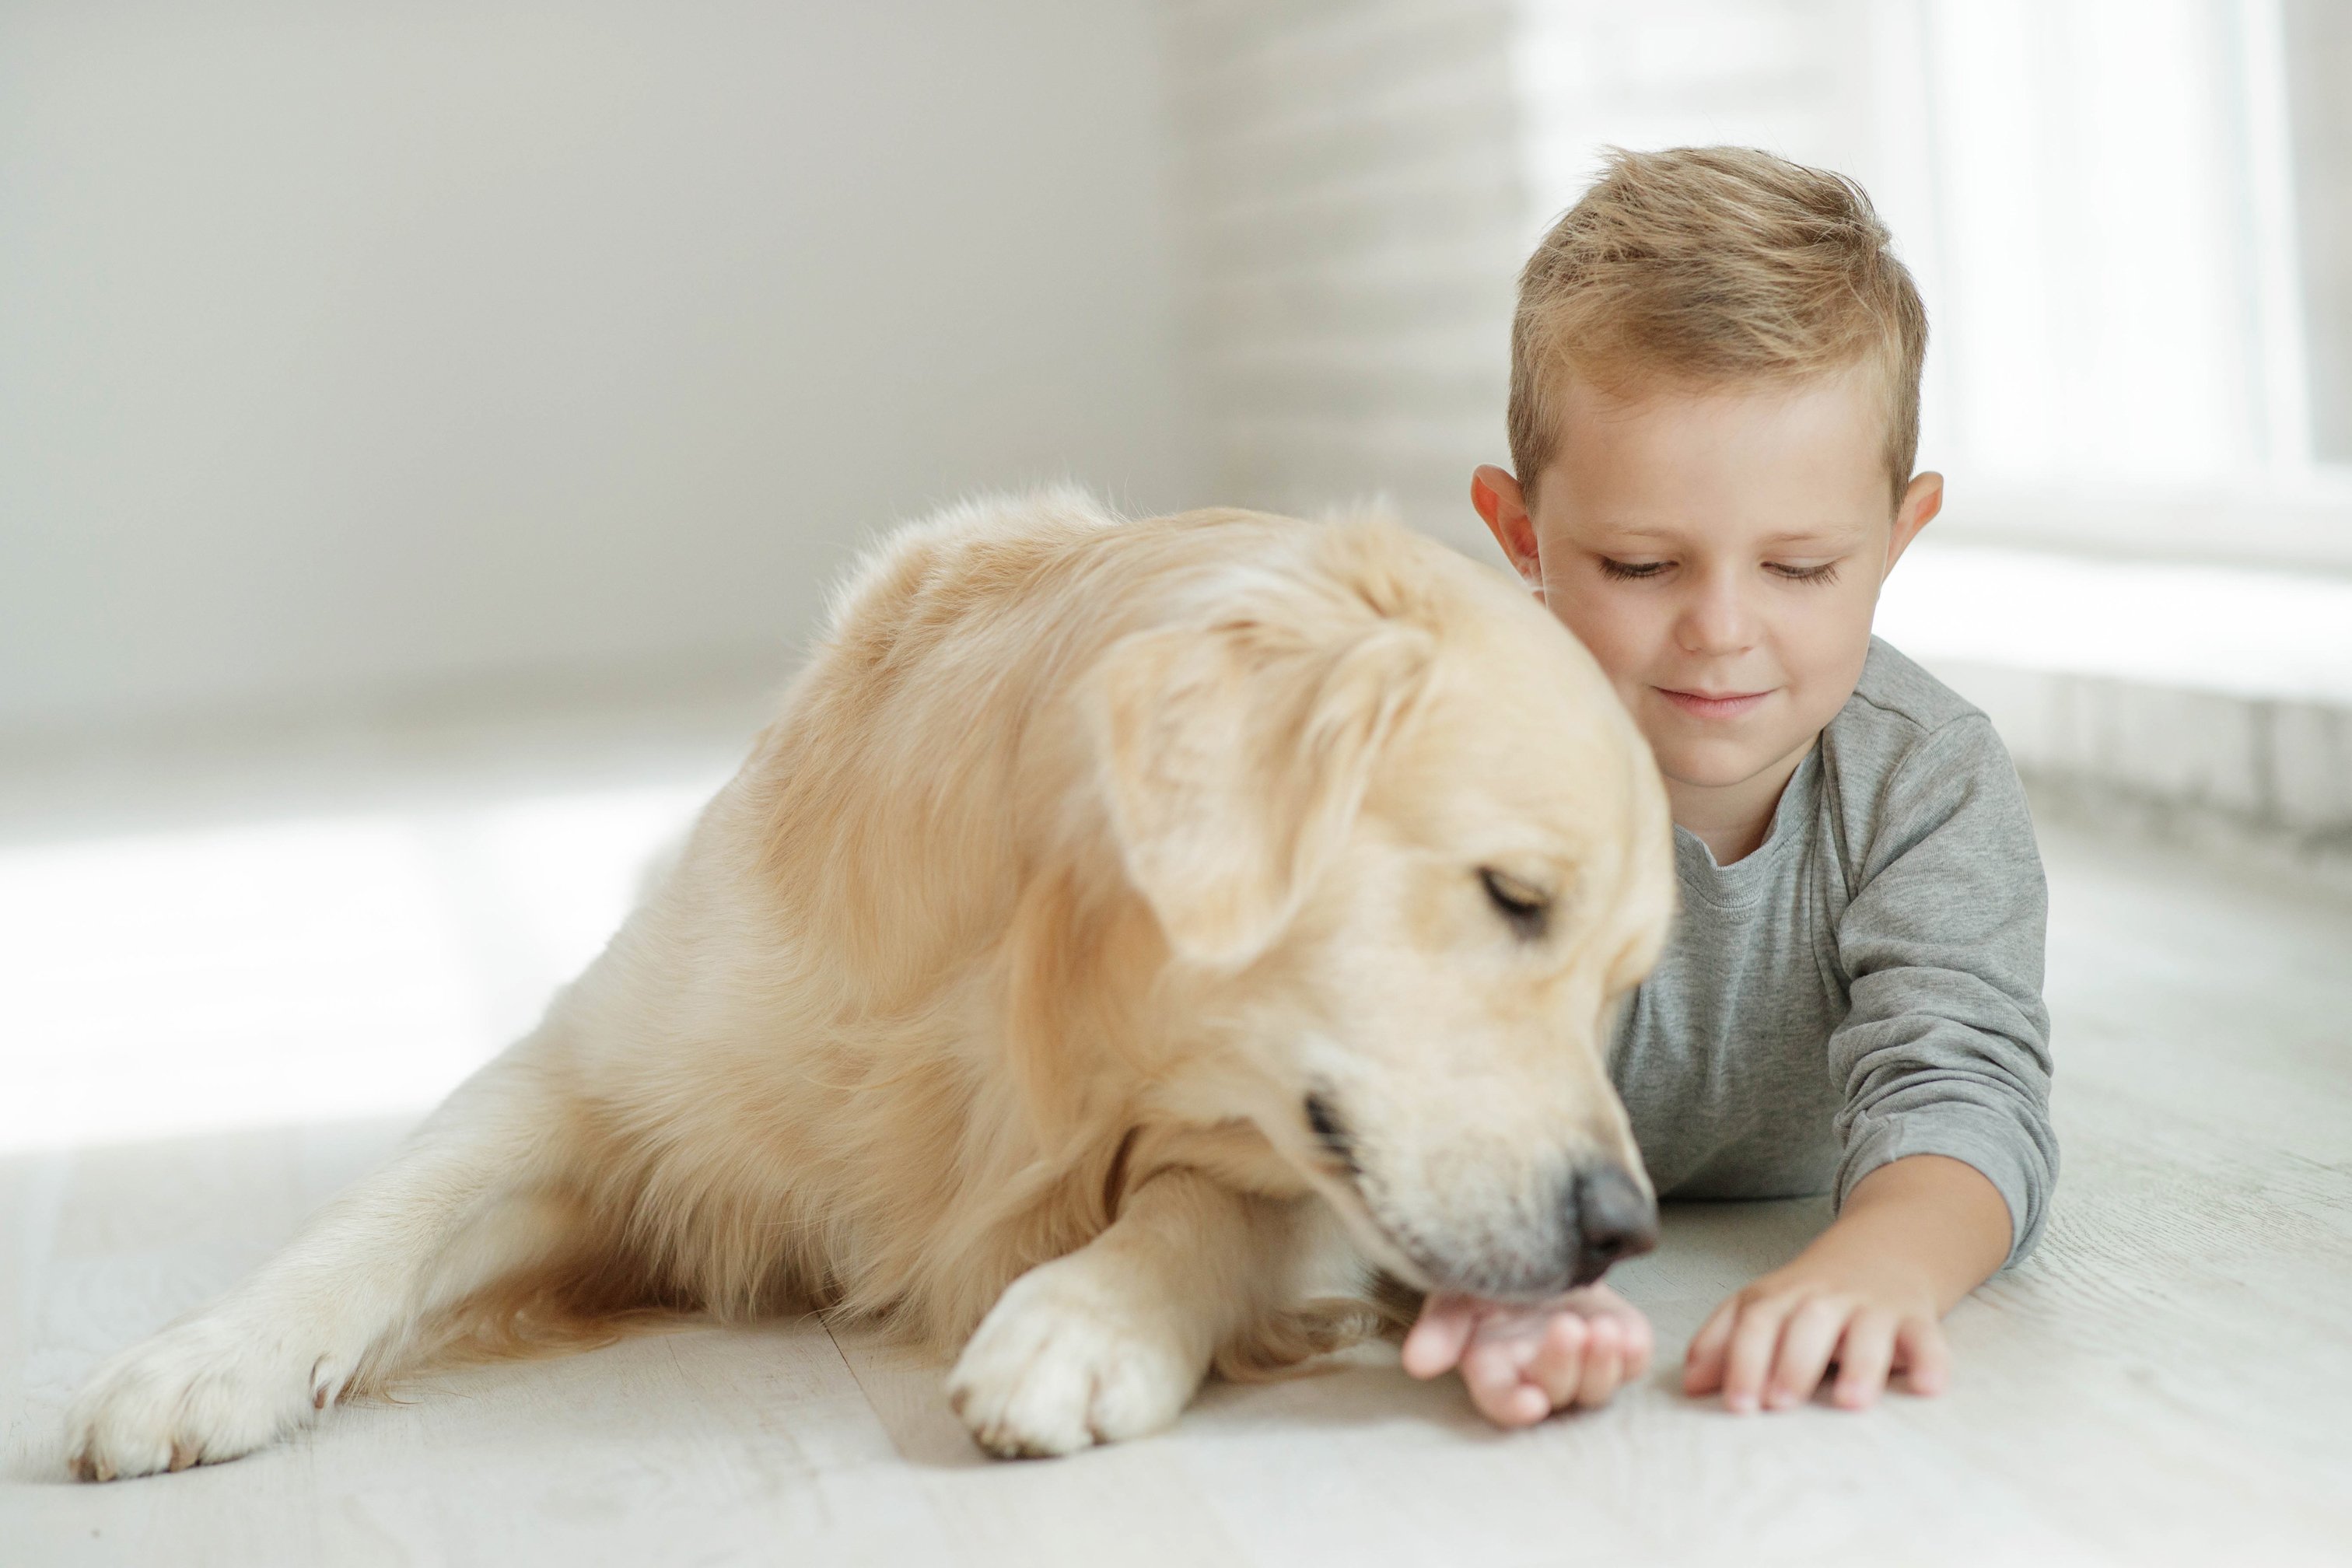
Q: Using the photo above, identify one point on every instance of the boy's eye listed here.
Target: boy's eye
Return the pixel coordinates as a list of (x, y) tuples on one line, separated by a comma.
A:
[(1825, 573), (1631, 569)]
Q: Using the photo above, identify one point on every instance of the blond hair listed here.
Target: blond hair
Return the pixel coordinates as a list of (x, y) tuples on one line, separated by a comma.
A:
[(1713, 266)]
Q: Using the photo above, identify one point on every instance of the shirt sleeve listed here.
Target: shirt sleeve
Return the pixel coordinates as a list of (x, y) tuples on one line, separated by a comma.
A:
[(1946, 1046)]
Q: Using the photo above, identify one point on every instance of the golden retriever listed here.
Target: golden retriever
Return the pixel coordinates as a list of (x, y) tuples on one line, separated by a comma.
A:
[(1130, 942)]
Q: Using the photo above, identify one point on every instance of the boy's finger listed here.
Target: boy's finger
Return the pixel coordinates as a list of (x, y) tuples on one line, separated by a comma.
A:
[(1703, 1362), (1493, 1372), (1436, 1341), (1805, 1345), (1864, 1357), (1558, 1366), (1604, 1364), (1927, 1361), (1529, 1405), (1754, 1340)]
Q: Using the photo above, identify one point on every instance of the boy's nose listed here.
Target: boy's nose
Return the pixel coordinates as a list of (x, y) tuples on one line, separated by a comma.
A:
[(1610, 1218), (1714, 620)]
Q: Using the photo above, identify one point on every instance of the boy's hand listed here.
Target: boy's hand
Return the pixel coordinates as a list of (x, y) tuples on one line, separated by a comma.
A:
[(1770, 1346), (1870, 1292), (1521, 1364)]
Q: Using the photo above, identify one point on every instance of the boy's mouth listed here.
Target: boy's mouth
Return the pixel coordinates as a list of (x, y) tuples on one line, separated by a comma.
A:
[(1713, 704)]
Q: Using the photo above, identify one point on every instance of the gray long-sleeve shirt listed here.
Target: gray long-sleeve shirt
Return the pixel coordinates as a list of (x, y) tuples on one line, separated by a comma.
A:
[(1867, 983)]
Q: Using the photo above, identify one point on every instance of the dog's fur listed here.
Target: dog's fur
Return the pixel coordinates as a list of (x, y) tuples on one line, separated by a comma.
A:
[(1129, 940)]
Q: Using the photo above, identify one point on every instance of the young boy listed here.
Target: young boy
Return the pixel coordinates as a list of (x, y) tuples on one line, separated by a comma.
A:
[(1715, 397)]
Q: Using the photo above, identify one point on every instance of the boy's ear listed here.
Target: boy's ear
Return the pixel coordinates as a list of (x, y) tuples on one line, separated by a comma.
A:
[(1504, 505), (1923, 498)]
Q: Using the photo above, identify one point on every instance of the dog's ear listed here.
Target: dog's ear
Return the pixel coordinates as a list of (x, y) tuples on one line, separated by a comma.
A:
[(1235, 756)]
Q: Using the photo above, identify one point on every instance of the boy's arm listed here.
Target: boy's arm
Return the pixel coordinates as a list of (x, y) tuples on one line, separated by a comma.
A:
[(1914, 1237), (1944, 1055)]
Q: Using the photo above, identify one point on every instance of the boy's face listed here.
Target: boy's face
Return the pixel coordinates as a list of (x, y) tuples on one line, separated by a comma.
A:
[(1720, 552)]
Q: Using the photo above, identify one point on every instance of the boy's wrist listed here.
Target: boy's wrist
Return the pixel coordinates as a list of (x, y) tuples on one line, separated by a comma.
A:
[(1926, 1221), (1862, 1267)]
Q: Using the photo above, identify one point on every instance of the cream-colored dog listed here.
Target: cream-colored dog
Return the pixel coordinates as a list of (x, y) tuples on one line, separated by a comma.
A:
[(1129, 940)]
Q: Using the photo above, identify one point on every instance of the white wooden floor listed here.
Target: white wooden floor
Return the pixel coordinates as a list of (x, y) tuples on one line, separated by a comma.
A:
[(2168, 1379)]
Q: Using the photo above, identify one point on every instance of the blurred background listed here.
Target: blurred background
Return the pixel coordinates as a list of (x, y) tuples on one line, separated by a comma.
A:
[(426, 432)]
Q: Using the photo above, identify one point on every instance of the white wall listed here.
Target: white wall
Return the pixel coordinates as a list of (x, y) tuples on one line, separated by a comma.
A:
[(353, 351), (1353, 196)]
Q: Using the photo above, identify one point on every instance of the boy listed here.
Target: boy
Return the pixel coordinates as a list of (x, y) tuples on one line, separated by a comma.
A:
[(1715, 395)]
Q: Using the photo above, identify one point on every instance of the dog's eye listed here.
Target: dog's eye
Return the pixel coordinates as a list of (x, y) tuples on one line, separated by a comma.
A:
[(1527, 910), (1330, 1131)]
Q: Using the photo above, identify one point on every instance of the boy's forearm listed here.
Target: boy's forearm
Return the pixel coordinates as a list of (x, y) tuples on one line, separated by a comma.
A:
[(1937, 1220)]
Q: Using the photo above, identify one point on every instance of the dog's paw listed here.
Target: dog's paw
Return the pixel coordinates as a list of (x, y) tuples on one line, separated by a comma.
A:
[(200, 1392), (1065, 1360)]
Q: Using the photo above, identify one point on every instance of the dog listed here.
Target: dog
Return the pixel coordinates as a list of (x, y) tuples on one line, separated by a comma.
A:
[(1133, 949)]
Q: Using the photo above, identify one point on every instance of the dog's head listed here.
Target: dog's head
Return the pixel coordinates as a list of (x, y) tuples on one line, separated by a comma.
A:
[(1409, 855)]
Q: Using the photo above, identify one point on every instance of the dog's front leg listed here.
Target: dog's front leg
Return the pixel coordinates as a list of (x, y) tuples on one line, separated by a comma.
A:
[(448, 1214), (1111, 1340)]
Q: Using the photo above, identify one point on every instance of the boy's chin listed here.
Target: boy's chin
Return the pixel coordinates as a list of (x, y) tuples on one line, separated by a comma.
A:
[(1720, 764)]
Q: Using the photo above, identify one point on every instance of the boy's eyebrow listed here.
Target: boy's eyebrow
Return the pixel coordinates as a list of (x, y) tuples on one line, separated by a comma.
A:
[(1828, 533), (1811, 535)]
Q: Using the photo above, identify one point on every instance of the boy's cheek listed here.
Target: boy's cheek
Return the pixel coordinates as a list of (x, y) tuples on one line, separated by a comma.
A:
[(1606, 631), (1572, 610)]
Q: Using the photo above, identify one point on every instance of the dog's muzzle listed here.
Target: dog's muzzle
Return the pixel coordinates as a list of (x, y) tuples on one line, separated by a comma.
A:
[(1605, 1216)]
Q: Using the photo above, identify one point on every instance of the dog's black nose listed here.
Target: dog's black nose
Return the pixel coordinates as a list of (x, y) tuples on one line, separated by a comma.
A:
[(1613, 1219)]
